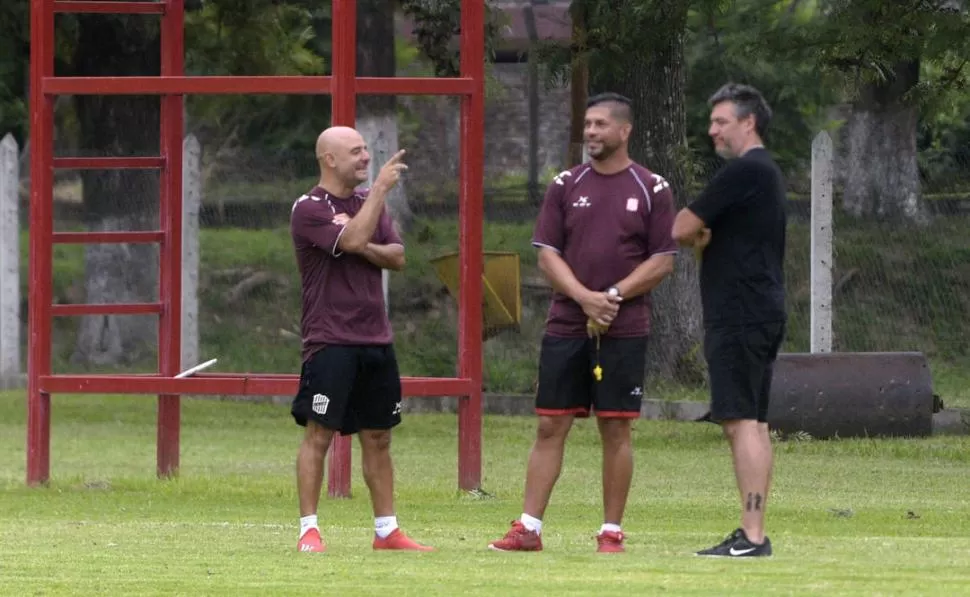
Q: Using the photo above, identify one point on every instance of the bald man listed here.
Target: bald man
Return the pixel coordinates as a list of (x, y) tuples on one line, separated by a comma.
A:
[(349, 382)]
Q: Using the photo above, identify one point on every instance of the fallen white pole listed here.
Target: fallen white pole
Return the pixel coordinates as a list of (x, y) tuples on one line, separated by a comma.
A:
[(196, 369)]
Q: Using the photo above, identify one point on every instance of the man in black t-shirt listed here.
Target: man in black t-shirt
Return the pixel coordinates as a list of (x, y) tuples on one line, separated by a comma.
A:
[(737, 230)]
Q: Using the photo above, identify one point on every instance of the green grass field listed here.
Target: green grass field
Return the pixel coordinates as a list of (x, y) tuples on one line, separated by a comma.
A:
[(849, 517)]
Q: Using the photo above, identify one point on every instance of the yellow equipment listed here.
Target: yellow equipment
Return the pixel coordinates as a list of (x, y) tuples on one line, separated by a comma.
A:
[(501, 279)]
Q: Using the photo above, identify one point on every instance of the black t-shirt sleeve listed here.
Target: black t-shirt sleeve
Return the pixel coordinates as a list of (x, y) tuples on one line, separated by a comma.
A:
[(727, 189)]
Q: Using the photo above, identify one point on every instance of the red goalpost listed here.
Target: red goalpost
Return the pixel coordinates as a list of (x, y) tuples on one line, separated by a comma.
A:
[(173, 85)]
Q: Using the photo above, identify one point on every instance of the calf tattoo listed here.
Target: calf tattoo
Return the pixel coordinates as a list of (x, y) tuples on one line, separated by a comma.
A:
[(754, 502)]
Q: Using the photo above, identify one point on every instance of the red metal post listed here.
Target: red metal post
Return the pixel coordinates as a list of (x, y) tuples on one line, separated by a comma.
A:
[(343, 113), (173, 85), (240, 384), (253, 85), (41, 250), (109, 7), (470, 216), (170, 258)]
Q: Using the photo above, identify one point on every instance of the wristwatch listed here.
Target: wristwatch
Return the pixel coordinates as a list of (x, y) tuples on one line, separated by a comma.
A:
[(613, 291)]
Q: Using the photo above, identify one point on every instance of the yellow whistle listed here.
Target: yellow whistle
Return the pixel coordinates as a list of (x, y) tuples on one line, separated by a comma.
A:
[(598, 373)]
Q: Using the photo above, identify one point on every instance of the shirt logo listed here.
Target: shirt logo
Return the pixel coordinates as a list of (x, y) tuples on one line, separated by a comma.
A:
[(631, 204), (637, 391), (583, 202), (660, 183)]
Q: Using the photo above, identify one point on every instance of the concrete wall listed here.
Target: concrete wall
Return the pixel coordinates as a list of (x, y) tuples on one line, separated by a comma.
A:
[(433, 124)]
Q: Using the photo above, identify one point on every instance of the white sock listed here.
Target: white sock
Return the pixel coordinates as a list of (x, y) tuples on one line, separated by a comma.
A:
[(385, 525), (531, 522), (307, 523), (609, 526)]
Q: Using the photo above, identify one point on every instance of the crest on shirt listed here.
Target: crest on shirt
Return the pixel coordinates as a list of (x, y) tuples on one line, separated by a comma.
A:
[(632, 203), (583, 201)]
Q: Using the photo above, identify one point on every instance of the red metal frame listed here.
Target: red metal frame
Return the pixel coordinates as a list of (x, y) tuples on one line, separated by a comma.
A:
[(173, 85)]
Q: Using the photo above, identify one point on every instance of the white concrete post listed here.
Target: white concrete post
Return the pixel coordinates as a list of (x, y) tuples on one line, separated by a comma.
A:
[(378, 160), (9, 264), (191, 205), (822, 243)]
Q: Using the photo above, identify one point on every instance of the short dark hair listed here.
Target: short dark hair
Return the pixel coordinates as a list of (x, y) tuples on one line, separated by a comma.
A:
[(620, 106), (747, 101)]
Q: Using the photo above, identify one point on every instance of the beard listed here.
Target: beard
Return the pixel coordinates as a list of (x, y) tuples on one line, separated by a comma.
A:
[(606, 150), (725, 151)]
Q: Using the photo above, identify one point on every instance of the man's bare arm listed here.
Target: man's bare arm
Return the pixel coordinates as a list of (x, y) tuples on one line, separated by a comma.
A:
[(560, 275), (360, 229), (595, 304), (688, 228), (384, 256), (646, 276)]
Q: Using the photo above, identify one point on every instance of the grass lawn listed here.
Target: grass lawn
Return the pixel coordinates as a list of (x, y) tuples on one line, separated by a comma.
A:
[(849, 517)]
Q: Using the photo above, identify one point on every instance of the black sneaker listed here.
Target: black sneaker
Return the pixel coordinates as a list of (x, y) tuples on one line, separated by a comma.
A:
[(738, 546)]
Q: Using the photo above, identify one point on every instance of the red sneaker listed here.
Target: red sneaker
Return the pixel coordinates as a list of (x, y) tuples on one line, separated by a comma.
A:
[(398, 540), (311, 542), (610, 542), (518, 538)]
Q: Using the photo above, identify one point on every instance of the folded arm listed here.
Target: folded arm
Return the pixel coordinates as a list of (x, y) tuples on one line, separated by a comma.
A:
[(689, 229), (384, 256)]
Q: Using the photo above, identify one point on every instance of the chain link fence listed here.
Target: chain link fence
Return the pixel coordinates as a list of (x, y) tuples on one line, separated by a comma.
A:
[(896, 287)]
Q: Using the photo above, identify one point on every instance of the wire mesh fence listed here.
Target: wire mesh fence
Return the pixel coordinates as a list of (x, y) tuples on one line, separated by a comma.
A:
[(896, 286)]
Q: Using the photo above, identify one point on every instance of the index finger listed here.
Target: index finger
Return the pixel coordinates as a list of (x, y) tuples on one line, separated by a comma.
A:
[(396, 157)]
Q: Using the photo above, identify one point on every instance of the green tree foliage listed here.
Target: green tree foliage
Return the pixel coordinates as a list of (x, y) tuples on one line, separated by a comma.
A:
[(258, 37), (944, 134), (724, 44), (437, 23), (222, 37), (905, 60), (13, 69)]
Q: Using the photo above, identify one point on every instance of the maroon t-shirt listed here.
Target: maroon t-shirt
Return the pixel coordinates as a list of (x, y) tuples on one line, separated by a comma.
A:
[(343, 297), (604, 226)]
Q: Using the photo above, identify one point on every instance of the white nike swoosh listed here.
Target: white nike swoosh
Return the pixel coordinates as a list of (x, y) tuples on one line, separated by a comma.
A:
[(741, 552)]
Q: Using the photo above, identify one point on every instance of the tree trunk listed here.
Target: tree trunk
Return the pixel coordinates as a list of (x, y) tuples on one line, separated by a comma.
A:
[(882, 174), (118, 199), (579, 85), (653, 78), (377, 114)]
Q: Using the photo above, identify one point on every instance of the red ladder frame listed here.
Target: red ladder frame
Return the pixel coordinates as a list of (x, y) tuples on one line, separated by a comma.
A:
[(173, 85)]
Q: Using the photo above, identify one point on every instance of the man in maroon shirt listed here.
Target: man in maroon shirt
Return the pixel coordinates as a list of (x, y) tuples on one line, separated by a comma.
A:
[(349, 380), (603, 236)]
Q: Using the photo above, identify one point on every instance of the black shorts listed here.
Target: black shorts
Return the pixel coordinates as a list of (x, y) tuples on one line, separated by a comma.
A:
[(349, 388), (567, 385), (740, 362)]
